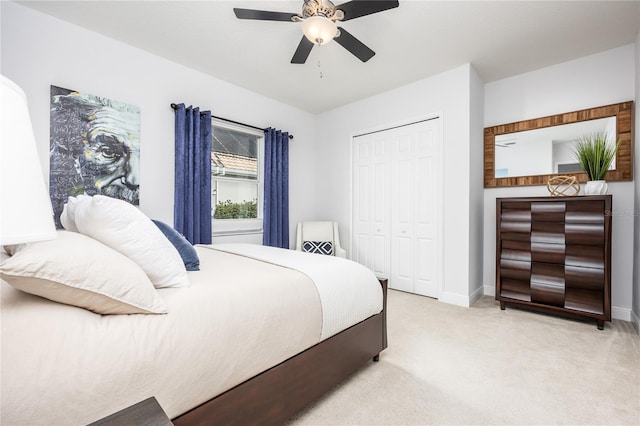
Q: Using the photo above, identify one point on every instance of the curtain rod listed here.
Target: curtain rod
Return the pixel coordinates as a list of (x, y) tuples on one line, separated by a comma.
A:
[(175, 106)]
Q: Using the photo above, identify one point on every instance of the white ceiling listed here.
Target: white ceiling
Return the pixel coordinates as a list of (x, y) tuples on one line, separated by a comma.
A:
[(414, 41)]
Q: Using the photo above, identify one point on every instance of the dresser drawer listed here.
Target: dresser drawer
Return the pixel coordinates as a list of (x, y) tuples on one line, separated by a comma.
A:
[(545, 211), (515, 278), (547, 283), (548, 232), (584, 278), (583, 233), (549, 253), (583, 300), (585, 211), (516, 250), (585, 256)]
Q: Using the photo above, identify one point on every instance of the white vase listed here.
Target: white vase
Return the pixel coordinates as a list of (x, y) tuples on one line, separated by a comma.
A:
[(595, 187)]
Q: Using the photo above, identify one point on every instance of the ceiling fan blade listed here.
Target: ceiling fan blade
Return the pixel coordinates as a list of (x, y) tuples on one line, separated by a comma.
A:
[(354, 45), (357, 8), (302, 52), (263, 15)]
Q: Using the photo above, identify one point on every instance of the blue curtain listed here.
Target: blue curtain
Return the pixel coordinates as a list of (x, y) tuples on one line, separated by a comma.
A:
[(192, 192), (276, 189)]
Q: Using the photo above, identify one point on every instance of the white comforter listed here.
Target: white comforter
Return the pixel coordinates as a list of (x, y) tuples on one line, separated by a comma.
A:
[(344, 287), (65, 365)]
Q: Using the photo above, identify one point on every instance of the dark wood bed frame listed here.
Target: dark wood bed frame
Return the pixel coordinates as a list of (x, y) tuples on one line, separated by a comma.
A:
[(275, 395)]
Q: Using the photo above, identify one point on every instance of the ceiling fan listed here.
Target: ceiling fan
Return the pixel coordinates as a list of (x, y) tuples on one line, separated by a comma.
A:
[(319, 24)]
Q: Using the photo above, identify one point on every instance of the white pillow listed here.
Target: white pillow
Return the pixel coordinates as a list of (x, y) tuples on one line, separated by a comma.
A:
[(76, 270), (127, 230), (67, 217)]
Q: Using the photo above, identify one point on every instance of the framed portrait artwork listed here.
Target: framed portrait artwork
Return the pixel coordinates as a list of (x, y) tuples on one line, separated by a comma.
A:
[(94, 148)]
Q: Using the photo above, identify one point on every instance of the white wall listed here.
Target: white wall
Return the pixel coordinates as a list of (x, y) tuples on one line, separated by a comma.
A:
[(600, 79), (39, 51), (446, 95), (476, 186), (636, 246)]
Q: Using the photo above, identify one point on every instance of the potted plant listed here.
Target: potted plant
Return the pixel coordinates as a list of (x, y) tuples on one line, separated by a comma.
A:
[(595, 153)]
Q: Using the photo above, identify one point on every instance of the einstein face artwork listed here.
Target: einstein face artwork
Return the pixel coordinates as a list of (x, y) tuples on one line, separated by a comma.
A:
[(94, 148)]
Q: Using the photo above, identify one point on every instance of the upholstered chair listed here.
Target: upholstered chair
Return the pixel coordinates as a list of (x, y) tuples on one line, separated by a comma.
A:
[(319, 237)]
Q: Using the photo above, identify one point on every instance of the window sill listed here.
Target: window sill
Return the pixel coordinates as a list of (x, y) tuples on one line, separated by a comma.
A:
[(238, 232)]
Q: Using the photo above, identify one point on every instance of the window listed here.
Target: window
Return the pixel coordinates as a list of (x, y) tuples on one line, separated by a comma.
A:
[(236, 173)]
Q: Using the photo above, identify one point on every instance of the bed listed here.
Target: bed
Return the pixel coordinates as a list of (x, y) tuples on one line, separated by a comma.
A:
[(258, 334)]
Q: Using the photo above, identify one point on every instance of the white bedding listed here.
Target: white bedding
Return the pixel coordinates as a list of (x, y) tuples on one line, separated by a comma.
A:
[(65, 365), (344, 286)]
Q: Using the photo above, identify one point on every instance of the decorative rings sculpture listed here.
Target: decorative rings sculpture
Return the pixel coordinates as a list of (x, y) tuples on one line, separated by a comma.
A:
[(562, 186)]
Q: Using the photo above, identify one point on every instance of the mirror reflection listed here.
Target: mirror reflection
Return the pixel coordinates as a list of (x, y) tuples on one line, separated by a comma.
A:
[(547, 150)]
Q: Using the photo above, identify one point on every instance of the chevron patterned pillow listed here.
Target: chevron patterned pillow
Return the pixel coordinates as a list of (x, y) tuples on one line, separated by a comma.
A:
[(321, 247)]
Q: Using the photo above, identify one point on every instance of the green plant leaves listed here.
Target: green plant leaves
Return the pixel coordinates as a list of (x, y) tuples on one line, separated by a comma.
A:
[(595, 153), (231, 210)]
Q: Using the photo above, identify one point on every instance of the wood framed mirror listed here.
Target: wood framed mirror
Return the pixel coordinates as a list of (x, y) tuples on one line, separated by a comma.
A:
[(547, 141)]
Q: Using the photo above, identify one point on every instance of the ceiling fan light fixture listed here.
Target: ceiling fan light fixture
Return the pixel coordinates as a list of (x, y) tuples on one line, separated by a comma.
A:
[(319, 30)]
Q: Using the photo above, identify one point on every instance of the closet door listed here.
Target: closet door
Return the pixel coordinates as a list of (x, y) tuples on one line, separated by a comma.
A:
[(402, 212), (425, 208), (394, 207), (413, 210), (371, 203)]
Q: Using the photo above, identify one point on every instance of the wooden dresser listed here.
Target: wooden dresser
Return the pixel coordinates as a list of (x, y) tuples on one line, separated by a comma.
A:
[(554, 253)]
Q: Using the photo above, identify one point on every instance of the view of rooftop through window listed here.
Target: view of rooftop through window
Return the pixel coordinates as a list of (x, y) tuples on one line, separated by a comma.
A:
[(234, 169)]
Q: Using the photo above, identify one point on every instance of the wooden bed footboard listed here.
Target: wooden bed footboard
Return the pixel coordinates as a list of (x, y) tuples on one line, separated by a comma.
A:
[(274, 396)]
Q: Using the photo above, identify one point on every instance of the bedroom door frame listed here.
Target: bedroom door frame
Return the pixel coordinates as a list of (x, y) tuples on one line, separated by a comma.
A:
[(438, 187)]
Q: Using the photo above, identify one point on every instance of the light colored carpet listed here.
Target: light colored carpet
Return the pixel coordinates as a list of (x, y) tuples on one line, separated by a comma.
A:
[(480, 365)]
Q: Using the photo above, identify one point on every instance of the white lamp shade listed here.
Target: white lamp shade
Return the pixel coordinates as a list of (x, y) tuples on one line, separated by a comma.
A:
[(319, 30), (25, 207)]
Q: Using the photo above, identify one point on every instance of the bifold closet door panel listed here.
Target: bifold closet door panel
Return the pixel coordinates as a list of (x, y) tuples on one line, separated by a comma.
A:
[(379, 204), (363, 201), (371, 204), (402, 213)]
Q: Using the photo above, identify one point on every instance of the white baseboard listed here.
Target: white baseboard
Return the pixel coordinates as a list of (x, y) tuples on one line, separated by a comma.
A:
[(460, 300), (476, 295), (454, 299), (635, 319), (490, 290), (623, 314)]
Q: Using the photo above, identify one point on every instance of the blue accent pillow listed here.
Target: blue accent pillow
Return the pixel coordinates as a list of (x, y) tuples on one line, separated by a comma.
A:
[(184, 247)]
